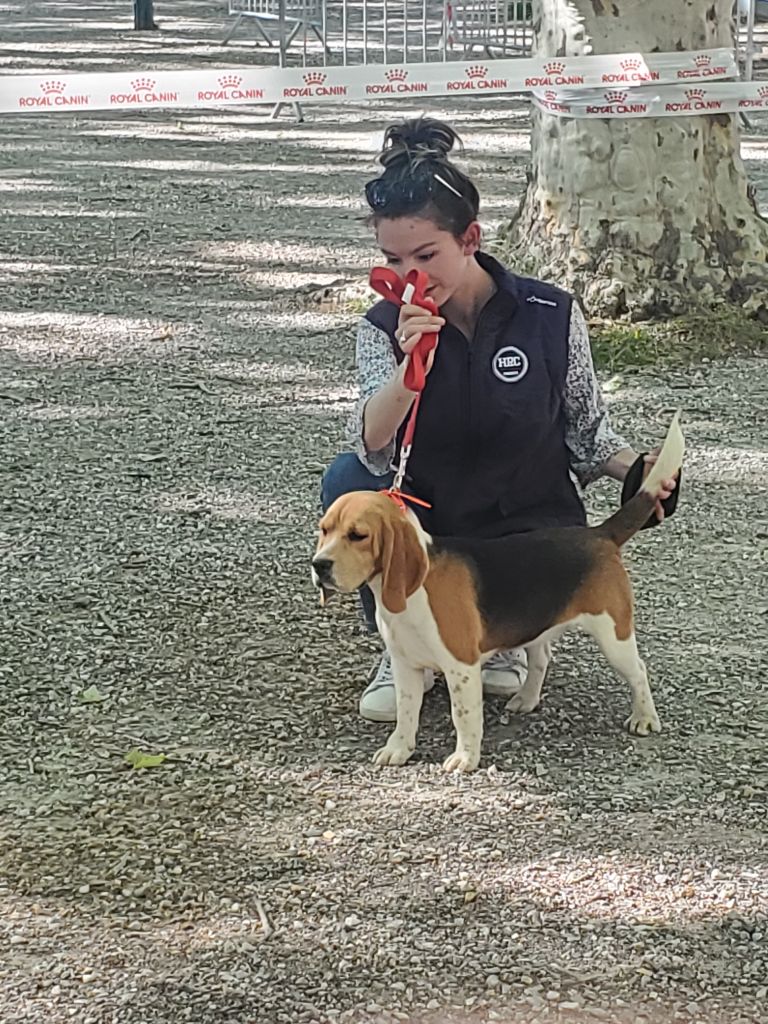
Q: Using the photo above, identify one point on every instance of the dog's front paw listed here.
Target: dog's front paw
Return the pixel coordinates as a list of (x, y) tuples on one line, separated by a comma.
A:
[(393, 753), (521, 704), (641, 723), (462, 761)]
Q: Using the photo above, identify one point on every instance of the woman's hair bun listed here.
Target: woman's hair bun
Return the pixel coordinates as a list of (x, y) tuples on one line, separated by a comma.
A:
[(416, 141), (419, 180)]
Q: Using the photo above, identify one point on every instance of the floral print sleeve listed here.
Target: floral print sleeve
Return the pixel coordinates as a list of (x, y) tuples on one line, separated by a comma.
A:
[(589, 436), (376, 365)]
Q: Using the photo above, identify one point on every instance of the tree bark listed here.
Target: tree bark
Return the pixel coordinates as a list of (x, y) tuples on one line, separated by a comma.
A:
[(144, 15), (648, 217)]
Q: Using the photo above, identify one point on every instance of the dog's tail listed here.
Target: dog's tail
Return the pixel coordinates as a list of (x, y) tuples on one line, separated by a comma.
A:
[(630, 518)]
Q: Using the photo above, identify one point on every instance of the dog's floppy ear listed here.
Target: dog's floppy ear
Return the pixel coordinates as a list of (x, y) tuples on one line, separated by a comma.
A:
[(403, 562)]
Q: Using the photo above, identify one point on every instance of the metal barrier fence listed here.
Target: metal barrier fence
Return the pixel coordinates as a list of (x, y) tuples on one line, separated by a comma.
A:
[(352, 32), (746, 47), (396, 32), (287, 17), (497, 27)]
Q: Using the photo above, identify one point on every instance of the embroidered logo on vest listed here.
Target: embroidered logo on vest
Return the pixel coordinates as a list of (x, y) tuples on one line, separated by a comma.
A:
[(510, 364)]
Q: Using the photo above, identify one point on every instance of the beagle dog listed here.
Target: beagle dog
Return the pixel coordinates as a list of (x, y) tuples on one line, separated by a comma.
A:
[(450, 603)]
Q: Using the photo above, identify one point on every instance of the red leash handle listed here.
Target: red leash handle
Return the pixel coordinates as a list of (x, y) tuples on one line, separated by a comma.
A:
[(411, 290)]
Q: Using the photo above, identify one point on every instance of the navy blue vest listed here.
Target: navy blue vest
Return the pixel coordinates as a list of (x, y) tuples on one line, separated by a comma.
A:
[(489, 451)]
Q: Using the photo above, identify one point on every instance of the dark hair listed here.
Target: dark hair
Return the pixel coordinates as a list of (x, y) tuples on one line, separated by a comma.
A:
[(420, 180)]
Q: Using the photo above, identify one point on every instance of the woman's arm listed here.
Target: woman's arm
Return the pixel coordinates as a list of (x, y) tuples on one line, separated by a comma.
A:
[(385, 410), (618, 465), (596, 449), (383, 400)]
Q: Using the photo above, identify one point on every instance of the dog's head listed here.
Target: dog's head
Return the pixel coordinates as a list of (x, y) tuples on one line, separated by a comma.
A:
[(362, 535)]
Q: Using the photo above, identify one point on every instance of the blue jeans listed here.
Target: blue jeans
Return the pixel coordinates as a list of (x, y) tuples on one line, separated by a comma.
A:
[(347, 473)]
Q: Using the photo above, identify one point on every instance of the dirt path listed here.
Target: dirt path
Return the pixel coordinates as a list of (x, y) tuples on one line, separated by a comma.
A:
[(169, 395)]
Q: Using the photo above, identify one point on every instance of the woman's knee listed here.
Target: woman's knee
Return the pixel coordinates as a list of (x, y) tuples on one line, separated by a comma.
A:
[(347, 473)]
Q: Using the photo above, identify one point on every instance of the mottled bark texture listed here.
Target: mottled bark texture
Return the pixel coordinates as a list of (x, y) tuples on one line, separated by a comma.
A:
[(652, 216)]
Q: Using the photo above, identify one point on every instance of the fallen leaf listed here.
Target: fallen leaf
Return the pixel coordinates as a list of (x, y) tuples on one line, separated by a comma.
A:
[(92, 695), (138, 759)]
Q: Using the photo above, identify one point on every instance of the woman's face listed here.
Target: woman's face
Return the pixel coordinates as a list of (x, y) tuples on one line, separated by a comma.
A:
[(416, 243)]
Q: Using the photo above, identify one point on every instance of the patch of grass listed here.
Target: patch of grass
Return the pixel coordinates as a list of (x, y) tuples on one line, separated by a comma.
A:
[(353, 298), (360, 305), (682, 341)]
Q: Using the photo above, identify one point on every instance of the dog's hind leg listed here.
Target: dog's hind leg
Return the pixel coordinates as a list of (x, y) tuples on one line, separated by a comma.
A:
[(529, 695), (409, 691), (622, 655)]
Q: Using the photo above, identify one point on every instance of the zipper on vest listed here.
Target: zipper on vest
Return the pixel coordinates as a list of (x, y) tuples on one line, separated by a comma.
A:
[(469, 399), (471, 442)]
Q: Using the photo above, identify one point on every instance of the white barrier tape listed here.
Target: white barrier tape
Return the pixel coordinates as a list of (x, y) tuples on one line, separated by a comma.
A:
[(226, 87), (674, 101)]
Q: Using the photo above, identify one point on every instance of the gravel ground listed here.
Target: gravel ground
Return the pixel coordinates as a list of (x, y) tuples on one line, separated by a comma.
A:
[(170, 392)]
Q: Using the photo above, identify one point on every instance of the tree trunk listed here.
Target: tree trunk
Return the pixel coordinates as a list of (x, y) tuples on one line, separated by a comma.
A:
[(653, 216), (144, 15)]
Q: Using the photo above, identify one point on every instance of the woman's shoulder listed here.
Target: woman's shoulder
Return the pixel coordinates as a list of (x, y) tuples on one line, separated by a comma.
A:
[(533, 290), (526, 289), (375, 351), (383, 315)]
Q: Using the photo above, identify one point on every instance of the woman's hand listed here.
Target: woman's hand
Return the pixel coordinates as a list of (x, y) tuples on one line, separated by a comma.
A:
[(412, 324), (667, 485)]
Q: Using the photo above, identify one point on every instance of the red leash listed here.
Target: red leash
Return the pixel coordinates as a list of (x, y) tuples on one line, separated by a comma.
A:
[(411, 290), (401, 292)]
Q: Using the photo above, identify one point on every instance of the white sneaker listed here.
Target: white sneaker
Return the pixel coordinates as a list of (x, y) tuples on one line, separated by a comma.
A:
[(505, 672), (378, 702)]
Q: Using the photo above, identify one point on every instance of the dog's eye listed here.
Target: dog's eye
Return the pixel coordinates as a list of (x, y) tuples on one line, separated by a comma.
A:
[(354, 536)]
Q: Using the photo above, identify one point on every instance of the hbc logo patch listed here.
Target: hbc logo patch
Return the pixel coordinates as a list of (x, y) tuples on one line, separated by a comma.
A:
[(510, 364)]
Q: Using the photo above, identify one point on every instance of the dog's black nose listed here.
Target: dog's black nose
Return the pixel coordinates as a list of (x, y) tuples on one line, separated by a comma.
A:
[(323, 568)]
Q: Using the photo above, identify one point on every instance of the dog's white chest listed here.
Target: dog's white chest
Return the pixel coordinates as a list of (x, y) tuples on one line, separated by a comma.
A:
[(413, 635)]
